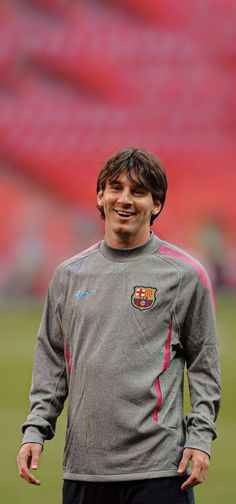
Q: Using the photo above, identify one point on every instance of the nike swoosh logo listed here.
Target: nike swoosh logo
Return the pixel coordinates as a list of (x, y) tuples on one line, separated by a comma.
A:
[(82, 294)]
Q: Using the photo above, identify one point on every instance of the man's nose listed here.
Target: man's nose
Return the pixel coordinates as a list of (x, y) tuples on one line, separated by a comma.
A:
[(125, 197)]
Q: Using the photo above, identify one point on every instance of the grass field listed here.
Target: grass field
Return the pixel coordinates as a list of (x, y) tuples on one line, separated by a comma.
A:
[(18, 328)]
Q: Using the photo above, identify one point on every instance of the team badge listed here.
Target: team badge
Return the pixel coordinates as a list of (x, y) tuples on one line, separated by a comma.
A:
[(143, 298)]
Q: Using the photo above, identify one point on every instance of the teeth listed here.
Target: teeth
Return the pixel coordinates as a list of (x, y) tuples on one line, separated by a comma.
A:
[(126, 214)]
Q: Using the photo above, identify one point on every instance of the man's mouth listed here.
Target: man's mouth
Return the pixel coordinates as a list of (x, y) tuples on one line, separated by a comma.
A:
[(124, 213)]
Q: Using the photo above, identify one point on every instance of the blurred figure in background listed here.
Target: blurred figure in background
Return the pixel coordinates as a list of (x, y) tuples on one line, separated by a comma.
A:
[(214, 246), (121, 321)]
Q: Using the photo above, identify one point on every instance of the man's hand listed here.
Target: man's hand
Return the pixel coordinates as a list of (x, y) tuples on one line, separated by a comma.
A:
[(28, 457), (200, 464)]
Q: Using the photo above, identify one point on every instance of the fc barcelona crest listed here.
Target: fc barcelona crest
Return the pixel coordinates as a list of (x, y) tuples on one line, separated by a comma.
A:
[(143, 298)]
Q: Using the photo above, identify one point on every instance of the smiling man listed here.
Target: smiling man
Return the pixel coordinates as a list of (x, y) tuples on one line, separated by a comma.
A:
[(121, 321), (128, 206)]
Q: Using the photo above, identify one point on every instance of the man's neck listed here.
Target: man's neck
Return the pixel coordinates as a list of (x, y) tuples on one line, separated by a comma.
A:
[(125, 240)]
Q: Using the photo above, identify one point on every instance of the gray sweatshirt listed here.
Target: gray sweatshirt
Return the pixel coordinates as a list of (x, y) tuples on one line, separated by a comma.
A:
[(117, 330)]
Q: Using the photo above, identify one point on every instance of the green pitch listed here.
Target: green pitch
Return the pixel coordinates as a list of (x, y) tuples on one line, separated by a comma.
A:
[(18, 329)]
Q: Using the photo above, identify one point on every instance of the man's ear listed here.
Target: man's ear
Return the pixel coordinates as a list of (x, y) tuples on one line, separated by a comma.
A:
[(100, 198), (156, 208)]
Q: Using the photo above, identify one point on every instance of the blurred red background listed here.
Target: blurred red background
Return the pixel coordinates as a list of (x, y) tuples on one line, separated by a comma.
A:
[(80, 79)]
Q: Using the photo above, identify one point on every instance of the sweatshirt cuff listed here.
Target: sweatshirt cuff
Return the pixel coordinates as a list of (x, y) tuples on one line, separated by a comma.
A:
[(200, 441), (32, 435)]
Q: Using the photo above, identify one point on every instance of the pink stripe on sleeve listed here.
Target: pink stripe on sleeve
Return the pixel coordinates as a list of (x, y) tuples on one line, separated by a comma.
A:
[(159, 400), (164, 366), (167, 348), (68, 357), (66, 351)]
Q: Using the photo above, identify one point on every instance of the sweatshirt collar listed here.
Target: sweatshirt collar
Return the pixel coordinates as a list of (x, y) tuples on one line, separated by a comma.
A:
[(130, 254)]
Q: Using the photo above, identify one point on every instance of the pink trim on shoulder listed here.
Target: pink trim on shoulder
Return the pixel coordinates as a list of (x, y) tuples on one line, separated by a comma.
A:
[(189, 260), (164, 367), (84, 252)]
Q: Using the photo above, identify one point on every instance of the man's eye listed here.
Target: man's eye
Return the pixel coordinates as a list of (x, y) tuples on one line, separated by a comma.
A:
[(139, 191)]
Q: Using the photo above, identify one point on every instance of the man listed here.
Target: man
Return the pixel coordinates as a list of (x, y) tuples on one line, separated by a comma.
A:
[(120, 322)]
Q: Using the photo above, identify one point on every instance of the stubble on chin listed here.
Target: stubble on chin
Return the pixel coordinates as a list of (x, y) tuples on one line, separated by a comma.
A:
[(121, 235)]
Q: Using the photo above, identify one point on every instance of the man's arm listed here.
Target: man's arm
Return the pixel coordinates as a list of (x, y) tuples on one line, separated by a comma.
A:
[(49, 386), (202, 360)]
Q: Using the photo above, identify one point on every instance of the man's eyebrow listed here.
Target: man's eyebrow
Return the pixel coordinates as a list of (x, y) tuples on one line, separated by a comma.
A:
[(139, 185), (136, 184), (114, 181)]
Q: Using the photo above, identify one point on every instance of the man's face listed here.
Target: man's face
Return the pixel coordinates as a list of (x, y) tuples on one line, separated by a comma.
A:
[(128, 207)]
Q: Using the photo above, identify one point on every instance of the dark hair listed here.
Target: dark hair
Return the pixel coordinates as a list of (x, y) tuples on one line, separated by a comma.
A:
[(141, 163)]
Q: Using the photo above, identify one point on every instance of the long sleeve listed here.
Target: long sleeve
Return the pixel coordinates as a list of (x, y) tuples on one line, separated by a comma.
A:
[(202, 360), (49, 383)]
